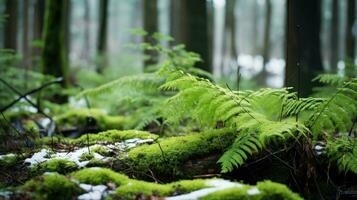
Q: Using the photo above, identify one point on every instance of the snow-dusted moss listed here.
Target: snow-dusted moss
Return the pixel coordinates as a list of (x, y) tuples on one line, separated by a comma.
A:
[(265, 190), (61, 166), (169, 156), (110, 136)]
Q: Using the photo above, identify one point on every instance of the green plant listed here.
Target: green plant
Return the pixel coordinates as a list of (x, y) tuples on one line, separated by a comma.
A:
[(261, 117)]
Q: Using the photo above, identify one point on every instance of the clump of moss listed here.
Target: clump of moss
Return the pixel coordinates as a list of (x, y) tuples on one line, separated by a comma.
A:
[(267, 191), (110, 136), (52, 186), (129, 188), (167, 159), (31, 128), (276, 191), (100, 150), (86, 156), (62, 166), (8, 160), (77, 117), (98, 176)]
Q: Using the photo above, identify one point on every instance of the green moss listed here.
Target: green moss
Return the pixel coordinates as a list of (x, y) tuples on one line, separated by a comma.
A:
[(78, 117), (267, 191), (61, 166), (100, 150), (97, 176), (86, 156), (52, 186), (231, 194), (129, 188), (276, 191), (168, 161), (31, 128), (110, 136), (8, 160)]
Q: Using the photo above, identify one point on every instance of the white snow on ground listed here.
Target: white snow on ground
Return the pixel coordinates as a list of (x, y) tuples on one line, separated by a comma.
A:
[(93, 192), (217, 185), (75, 156), (253, 191)]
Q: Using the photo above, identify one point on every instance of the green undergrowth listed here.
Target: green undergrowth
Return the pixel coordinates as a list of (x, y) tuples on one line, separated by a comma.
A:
[(110, 136), (167, 157), (78, 117), (267, 191)]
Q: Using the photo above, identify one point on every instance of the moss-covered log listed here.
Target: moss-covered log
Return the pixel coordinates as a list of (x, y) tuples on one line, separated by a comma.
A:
[(179, 157)]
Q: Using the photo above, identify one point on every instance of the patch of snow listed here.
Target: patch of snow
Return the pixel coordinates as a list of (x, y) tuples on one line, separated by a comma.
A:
[(44, 122), (96, 192), (216, 185), (319, 147), (253, 191)]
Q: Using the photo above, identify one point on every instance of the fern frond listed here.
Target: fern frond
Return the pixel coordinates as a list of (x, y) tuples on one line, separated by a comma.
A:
[(343, 151), (331, 79), (244, 145)]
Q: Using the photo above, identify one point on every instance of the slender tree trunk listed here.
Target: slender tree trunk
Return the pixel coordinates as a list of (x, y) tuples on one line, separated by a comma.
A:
[(150, 18), (54, 55), (39, 18), (334, 37), (11, 12), (263, 75), (67, 27), (229, 41), (255, 28), (102, 35), (190, 19), (25, 38), (86, 43), (350, 41), (303, 56)]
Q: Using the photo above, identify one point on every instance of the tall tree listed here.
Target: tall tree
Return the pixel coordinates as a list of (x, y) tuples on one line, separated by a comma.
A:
[(334, 37), (38, 24), (10, 28), (262, 76), (86, 43), (102, 35), (229, 39), (350, 41), (54, 55), (25, 36), (303, 56), (150, 18), (189, 25)]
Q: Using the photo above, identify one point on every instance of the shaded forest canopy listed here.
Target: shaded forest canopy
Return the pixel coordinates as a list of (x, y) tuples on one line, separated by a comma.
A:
[(178, 99)]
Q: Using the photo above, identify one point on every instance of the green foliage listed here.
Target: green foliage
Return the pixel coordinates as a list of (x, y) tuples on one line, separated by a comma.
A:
[(256, 115), (343, 150), (52, 186)]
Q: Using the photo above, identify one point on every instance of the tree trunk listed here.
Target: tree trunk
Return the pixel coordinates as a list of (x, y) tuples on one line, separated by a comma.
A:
[(25, 38), (150, 18), (229, 36), (303, 56), (263, 75), (334, 37), (54, 55), (86, 44), (350, 41), (39, 18), (189, 25), (102, 36), (11, 11)]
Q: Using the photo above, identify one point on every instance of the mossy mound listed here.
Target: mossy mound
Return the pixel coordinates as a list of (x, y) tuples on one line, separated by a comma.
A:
[(79, 117), (265, 190), (110, 136), (52, 186), (168, 158), (129, 188), (61, 166)]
